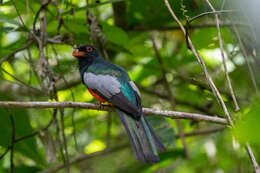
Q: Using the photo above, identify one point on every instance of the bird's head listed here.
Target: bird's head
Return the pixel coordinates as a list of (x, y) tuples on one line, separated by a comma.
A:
[(85, 52)]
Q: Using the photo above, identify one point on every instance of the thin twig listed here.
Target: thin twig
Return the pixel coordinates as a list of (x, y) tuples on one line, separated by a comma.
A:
[(20, 81), (171, 97), (6, 151), (202, 132), (26, 137), (237, 108), (64, 141), (252, 158), (223, 4), (72, 95), (12, 143), (248, 148), (211, 83), (19, 16), (169, 28), (244, 52), (147, 111), (58, 134), (203, 66), (252, 76), (178, 101), (83, 157), (43, 6), (23, 47), (34, 133), (210, 12), (23, 23)]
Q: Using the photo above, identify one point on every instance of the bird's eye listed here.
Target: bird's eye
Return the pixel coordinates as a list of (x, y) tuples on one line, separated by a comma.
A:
[(89, 49)]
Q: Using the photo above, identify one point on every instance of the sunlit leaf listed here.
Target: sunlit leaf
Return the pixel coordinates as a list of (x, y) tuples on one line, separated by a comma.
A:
[(248, 126)]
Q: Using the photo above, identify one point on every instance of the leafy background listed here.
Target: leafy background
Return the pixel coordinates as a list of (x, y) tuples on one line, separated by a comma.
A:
[(126, 26)]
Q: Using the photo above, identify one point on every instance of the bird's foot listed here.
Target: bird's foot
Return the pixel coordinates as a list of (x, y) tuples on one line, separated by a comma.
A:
[(100, 105)]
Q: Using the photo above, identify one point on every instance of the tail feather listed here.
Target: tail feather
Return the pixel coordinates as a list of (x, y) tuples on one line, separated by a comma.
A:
[(142, 138), (133, 137), (157, 141)]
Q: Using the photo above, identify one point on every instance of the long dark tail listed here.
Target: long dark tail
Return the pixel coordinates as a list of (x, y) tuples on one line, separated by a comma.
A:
[(142, 138)]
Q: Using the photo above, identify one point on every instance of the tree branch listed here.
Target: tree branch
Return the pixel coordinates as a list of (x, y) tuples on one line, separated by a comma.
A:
[(201, 109), (147, 111), (169, 28), (171, 96), (244, 52), (211, 83), (252, 158), (202, 64), (223, 57), (12, 143), (210, 12), (85, 157), (202, 132), (23, 47)]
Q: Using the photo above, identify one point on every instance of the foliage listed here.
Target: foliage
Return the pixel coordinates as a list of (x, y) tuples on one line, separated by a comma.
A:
[(129, 45)]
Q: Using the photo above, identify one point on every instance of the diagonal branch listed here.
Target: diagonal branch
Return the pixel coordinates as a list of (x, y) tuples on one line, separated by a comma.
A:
[(23, 47), (211, 83), (223, 57), (243, 50), (121, 147), (203, 66), (210, 12), (171, 97), (203, 131), (83, 157), (169, 28), (12, 143)]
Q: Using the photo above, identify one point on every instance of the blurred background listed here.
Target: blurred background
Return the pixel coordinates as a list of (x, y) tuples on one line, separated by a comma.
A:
[(36, 42)]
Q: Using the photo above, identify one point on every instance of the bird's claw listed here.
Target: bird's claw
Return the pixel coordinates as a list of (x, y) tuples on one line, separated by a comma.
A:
[(101, 106)]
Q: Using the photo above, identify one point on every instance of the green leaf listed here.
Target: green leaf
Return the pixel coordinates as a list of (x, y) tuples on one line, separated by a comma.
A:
[(7, 29), (27, 147), (164, 130), (154, 12), (28, 169), (10, 21), (166, 158), (247, 127), (115, 34)]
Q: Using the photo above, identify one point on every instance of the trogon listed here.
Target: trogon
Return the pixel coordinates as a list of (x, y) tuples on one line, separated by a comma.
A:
[(110, 83)]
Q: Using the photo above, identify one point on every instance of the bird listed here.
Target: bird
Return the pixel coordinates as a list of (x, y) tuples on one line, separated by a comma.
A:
[(111, 83)]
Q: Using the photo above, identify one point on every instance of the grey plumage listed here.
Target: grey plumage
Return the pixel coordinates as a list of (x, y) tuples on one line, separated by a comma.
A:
[(105, 84)]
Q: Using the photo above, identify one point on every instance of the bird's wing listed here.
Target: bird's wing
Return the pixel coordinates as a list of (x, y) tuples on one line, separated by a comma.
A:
[(121, 93)]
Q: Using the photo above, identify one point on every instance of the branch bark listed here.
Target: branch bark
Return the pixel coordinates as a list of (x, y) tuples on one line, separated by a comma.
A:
[(147, 111), (244, 52), (202, 132), (85, 157), (202, 64), (223, 57), (169, 28), (171, 97), (211, 83)]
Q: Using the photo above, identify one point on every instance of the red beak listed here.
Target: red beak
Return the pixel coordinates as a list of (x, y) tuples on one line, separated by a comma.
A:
[(78, 53)]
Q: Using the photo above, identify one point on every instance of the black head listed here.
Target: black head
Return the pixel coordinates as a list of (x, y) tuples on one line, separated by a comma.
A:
[(85, 51)]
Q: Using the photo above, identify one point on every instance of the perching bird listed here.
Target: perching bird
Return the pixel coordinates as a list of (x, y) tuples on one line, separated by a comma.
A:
[(110, 83)]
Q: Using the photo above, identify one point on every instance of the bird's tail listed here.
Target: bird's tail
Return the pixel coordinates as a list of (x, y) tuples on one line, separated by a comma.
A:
[(142, 138)]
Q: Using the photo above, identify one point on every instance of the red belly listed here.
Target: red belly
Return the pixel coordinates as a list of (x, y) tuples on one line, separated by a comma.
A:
[(96, 96)]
